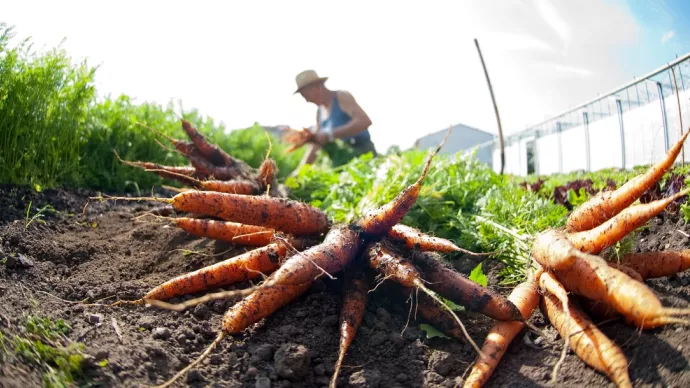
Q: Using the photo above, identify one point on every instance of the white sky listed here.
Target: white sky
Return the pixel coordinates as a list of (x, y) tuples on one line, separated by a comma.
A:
[(414, 69)]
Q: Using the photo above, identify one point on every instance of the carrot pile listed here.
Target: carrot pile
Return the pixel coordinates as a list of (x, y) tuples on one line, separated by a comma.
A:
[(574, 281), (292, 244)]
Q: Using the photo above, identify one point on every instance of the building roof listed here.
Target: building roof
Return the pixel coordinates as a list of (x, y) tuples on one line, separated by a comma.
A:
[(454, 127)]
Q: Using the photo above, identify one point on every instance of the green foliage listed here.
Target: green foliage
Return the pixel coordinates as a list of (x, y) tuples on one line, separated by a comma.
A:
[(54, 131), (431, 331), (478, 276)]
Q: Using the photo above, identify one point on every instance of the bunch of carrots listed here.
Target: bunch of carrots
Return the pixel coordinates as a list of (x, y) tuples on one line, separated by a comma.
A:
[(569, 279), (295, 244)]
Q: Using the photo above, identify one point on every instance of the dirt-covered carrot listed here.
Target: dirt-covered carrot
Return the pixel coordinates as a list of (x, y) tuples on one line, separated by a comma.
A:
[(526, 297), (267, 173), (602, 207), (380, 220), (628, 271), (231, 232), (246, 266), (635, 301), (552, 250), (416, 239), (615, 229), (355, 292), (549, 284), (211, 151), (596, 309), (587, 341), (438, 317), (454, 286), (292, 217), (658, 264), (392, 266)]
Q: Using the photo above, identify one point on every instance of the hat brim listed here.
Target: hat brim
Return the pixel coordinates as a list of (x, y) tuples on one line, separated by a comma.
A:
[(320, 79)]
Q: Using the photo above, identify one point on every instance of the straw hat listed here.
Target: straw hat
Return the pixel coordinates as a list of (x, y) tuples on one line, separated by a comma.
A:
[(307, 78)]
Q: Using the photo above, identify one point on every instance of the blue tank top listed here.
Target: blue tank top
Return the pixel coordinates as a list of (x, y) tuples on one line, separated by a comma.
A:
[(337, 118)]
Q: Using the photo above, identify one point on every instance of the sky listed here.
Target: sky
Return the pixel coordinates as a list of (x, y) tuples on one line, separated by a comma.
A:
[(414, 69)]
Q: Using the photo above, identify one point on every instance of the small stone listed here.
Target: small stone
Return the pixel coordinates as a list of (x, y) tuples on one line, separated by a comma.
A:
[(539, 340), (441, 362), (10, 262), (181, 339), (320, 370), (262, 382), (24, 262), (264, 352), (433, 377), (232, 358), (252, 371), (147, 322), (194, 375), (368, 378), (94, 319), (161, 333), (292, 361), (202, 313)]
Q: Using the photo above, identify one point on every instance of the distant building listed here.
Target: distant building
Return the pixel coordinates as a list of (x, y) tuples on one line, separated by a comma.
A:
[(462, 138)]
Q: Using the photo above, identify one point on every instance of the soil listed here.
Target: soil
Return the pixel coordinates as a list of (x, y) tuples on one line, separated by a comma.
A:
[(103, 253)]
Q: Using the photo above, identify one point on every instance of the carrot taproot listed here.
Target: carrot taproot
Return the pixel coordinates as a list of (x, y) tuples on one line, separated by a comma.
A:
[(615, 229), (454, 286), (635, 301), (391, 265), (587, 341), (379, 221), (658, 264), (289, 216), (212, 152), (228, 231), (415, 239), (628, 271), (249, 265), (232, 186), (526, 297), (548, 283), (355, 292), (294, 276), (602, 207), (552, 250), (267, 173)]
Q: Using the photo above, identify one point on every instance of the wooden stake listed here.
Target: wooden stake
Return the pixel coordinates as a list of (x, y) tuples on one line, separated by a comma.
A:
[(493, 99)]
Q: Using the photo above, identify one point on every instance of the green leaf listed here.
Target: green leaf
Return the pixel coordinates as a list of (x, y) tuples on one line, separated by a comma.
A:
[(478, 276), (431, 331)]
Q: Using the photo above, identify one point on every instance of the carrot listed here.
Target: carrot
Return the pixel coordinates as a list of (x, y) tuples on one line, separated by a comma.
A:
[(356, 290), (438, 317), (391, 265), (232, 186), (454, 286), (658, 264), (337, 250), (548, 283), (246, 266), (526, 297), (628, 271), (597, 309), (210, 151), (552, 250), (602, 207), (288, 216), (378, 221), (231, 232), (267, 173), (588, 342), (636, 302), (415, 239), (615, 229)]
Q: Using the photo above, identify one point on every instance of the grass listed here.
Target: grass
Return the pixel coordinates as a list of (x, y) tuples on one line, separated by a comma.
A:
[(43, 344), (54, 131)]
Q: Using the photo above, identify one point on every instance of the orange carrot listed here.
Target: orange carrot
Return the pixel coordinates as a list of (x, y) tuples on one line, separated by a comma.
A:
[(415, 239), (602, 207), (628, 271), (615, 229), (553, 250), (637, 303), (293, 278), (588, 342), (454, 286), (658, 264), (597, 309), (267, 173), (526, 297), (231, 232), (391, 265), (246, 266), (380, 220), (430, 311), (356, 290), (212, 152), (232, 187), (549, 284), (288, 216)]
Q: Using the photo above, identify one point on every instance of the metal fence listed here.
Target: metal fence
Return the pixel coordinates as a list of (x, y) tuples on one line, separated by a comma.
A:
[(630, 126)]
